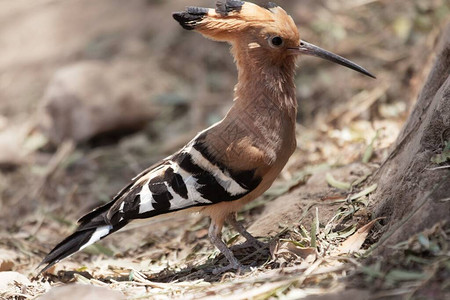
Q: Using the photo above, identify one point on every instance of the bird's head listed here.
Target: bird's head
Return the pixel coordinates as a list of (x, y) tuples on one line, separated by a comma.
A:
[(259, 35)]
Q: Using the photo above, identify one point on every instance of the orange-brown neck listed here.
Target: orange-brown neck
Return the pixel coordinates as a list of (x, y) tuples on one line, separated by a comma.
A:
[(268, 78)]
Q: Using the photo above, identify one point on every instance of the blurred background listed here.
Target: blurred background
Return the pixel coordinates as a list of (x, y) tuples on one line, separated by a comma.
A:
[(93, 92)]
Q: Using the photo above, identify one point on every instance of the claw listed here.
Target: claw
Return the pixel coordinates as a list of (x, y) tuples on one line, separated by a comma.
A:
[(250, 243), (240, 269)]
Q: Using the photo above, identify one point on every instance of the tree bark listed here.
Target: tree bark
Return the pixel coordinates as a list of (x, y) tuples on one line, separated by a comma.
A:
[(412, 191)]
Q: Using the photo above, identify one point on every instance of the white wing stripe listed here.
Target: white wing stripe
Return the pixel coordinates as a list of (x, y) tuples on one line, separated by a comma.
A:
[(194, 197), (228, 183), (97, 235), (146, 198)]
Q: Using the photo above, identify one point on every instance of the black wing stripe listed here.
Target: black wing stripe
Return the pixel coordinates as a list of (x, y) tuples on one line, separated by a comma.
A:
[(209, 188), (160, 194), (246, 179), (176, 182)]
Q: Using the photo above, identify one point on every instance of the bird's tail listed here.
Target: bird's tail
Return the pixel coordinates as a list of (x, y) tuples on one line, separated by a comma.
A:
[(86, 234)]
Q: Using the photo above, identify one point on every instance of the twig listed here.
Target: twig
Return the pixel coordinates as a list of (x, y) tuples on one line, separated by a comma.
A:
[(309, 271), (437, 168)]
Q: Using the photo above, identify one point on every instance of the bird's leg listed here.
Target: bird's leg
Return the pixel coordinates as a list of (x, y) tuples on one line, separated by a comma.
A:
[(215, 235), (250, 239)]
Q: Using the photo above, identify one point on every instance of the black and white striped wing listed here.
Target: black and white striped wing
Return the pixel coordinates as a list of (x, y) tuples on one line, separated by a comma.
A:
[(187, 179)]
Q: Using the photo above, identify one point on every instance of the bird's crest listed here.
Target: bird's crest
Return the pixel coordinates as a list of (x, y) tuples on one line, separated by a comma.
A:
[(231, 19)]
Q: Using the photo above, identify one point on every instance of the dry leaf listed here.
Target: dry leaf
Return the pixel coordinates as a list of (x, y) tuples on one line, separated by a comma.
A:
[(336, 183), (7, 259), (354, 242), (287, 251), (364, 192)]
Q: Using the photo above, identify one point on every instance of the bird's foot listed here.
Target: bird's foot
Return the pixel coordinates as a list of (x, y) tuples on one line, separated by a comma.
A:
[(254, 243), (240, 269)]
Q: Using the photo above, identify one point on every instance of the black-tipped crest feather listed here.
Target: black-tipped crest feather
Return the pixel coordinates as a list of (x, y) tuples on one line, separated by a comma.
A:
[(270, 5), (223, 8), (189, 18)]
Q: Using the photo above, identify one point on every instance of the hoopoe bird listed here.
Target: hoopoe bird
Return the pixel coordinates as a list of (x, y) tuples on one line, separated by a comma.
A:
[(235, 160)]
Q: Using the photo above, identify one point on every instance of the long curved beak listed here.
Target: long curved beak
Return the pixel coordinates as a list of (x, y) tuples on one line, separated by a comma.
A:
[(313, 50)]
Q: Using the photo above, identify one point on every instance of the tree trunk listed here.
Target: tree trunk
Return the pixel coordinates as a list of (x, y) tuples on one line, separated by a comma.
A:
[(413, 192)]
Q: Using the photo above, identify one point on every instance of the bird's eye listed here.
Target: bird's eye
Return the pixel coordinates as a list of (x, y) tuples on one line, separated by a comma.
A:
[(275, 41)]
